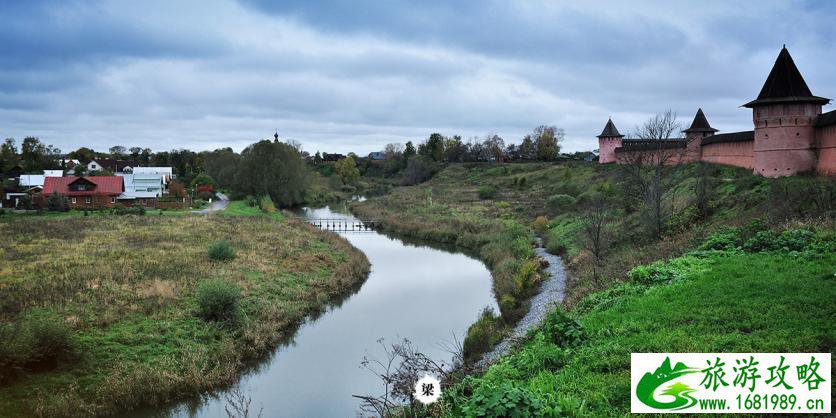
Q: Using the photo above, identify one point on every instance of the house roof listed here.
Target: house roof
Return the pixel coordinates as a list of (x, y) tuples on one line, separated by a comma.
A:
[(609, 130), (826, 119), (110, 185), (785, 84), (729, 137), (700, 124), (115, 165)]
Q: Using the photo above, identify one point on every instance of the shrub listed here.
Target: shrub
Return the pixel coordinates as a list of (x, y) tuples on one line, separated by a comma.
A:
[(482, 335), (503, 400), (723, 239), (541, 224), (221, 251), (662, 272), (562, 330), (789, 240), (218, 300), (487, 192), (265, 203), (39, 341), (559, 202)]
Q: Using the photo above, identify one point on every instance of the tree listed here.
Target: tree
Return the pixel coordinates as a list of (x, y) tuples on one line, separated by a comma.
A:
[(117, 151), (393, 158), (528, 151), (433, 148), (649, 170), (595, 232), (409, 151), (317, 159), (203, 179), (347, 170), (34, 155), (83, 155), (79, 170), (8, 155), (493, 147), (57, 203), (222, 165), (547, 142), (135, 151), (454, 149), (273, 169)]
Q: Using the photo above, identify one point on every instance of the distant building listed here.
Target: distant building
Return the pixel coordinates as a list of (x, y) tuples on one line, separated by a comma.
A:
[(166, 173), (114, 166), (791, 134), (377, 155), (332, 157), (141, 189), (92, 192)]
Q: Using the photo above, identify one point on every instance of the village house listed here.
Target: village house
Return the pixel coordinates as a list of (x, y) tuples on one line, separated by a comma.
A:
[(114, 166), (141, 189), (791, 134), (93, 192)]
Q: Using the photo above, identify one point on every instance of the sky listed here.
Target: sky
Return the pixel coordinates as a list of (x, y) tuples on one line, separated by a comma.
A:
[(342, 76)]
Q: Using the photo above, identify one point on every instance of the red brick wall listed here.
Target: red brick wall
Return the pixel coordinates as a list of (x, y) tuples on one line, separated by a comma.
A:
[(826, 138), (738, 154), (96, 202)]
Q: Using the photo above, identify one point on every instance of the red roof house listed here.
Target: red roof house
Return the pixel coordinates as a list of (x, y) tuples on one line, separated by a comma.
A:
[(86, 192)]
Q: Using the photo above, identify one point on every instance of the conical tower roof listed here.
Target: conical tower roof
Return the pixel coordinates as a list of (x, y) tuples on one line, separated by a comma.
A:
[(785, 84), (700, 124), (609, 130)]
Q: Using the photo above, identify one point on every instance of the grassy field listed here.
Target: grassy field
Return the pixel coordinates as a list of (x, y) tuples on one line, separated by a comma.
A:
[(99, 314), (740, 299)]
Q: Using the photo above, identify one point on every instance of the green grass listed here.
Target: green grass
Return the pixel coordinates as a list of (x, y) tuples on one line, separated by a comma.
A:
[(241, 208), (725, 302), (125, 286)]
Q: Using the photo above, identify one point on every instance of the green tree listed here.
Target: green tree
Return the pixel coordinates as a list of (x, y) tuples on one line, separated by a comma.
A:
[(8, 154), (274, 169), (347, 170), (433, 148), (117, 152), (408, 152), (222, 165), (83, 155), (202, 179), (547, 139), (34, 155)]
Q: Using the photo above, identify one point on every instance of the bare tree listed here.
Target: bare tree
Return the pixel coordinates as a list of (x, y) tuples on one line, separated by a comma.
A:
[(596, 233), (650, 165), (400, 370), (238, 404)]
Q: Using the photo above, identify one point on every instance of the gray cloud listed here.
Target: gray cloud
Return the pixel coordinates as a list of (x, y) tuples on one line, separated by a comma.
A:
[(352, 76)]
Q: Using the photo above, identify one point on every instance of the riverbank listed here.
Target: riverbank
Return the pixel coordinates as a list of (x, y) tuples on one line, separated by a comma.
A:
[(103, 314), (769, 293)]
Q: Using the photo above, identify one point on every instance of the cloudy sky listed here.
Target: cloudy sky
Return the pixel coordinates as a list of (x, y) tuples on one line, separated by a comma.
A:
[(354, 75)]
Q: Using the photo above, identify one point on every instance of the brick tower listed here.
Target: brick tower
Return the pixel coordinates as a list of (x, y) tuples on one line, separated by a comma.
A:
[(784, 113), (608, 141), (698, 130)]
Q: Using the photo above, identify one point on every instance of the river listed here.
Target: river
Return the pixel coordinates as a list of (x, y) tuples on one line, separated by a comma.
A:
[(416, 292)]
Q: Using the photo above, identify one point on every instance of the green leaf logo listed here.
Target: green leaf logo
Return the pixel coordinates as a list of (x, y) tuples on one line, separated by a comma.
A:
[(664, 374)]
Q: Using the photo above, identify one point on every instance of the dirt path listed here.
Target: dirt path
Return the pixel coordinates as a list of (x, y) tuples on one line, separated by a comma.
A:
[(551, 293), (217, 205)]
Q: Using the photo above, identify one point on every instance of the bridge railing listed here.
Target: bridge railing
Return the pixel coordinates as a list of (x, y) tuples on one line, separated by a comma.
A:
[(343, 224)]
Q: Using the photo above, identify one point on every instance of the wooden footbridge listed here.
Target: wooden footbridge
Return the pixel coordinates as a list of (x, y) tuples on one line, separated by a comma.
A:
[(344, 224)]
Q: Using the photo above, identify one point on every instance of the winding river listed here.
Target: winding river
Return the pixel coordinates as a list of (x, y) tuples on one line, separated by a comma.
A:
[(416, 292)]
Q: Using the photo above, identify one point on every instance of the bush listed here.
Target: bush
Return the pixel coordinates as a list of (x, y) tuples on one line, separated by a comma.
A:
[(265, 203), (789, 240), (559, 202), (482, 335), (541, 224), (663, 272), (562, 330), (221, 251), (218, 300), (503, 400), (41, 340), (487, 192)]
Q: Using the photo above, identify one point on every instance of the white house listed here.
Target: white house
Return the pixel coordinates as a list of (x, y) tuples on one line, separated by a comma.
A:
[(142, 189), (165, 172)]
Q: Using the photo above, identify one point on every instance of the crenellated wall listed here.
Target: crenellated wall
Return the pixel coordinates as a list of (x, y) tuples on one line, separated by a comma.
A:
[(784, 138), (738, 154)]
